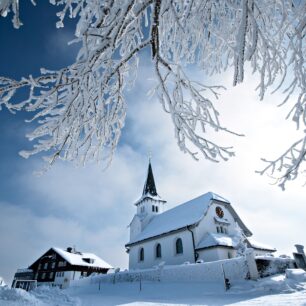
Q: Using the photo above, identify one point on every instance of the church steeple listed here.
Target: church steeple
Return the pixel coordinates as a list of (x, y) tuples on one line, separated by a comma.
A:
[(148, 206), (149, 186), (150, 193)]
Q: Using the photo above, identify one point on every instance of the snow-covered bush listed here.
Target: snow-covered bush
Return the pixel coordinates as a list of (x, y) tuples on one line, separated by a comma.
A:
[(269, 265)]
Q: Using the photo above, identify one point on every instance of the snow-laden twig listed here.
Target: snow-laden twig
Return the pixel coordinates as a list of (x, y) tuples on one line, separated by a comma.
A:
[(81, 109)]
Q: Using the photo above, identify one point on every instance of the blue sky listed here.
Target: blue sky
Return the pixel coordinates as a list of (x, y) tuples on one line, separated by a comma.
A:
[(91, 208)]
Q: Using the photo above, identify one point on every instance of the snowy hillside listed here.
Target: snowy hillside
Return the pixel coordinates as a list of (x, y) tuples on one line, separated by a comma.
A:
[(276, 290)]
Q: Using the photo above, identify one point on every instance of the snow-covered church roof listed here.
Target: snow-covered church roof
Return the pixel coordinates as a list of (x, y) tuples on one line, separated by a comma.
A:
[(219, 239), (184, 215), (260, 246), (216, 239)]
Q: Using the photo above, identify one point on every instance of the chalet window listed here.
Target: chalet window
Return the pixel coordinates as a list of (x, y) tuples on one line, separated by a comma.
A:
[(43, 276), (62, 263), (46, 266), (39, 266), (179, 246), (141, 254), (53, 265), (158, 253), (51, 275)]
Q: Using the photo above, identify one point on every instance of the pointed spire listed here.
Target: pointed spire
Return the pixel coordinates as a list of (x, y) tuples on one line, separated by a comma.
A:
[(149, 186)]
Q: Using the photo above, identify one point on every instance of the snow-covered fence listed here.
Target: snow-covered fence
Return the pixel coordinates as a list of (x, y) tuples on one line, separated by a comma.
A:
[(270, 265), (233, 269)]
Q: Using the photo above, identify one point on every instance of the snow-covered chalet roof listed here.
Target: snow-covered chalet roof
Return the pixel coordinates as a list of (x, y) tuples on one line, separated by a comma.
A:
[(257, 245), (214, 239), (184, 215), (77, 259)]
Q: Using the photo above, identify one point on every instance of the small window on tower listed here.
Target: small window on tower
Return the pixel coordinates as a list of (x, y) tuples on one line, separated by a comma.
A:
[(218, 229), (153, 207), (156, 208), (141, 254), (179, 246)]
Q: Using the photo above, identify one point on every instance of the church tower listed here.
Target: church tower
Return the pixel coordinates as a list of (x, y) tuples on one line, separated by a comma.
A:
[(149, 205)]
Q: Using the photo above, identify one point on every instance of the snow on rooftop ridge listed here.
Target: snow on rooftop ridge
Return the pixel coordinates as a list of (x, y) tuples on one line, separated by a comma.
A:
[(77, 259), (218, 197), (178, 217), (259, 245)]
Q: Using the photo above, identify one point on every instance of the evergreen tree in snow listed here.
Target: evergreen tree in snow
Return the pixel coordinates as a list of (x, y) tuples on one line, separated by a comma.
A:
[(80, 109)]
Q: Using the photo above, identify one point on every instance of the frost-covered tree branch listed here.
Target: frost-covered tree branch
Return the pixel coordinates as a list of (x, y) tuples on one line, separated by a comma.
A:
[(81, 108)]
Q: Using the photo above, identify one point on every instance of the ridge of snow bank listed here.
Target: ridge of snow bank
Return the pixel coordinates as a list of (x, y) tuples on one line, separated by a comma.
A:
[(296, 274), (41, 296)]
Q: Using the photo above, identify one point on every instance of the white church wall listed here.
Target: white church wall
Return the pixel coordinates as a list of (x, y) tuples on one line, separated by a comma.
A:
[(169, 255), (208, 224)]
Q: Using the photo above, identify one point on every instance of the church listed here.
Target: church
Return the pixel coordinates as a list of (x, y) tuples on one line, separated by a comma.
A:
[(202, 229)]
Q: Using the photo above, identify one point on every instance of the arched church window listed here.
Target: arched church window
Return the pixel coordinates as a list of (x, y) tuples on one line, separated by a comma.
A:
[(153, 207), (141, 254), (179, 246), (218, 229), (156, 208), (158, 251)]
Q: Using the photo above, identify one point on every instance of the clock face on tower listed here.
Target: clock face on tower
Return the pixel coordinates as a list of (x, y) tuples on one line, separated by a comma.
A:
[(219, 212)]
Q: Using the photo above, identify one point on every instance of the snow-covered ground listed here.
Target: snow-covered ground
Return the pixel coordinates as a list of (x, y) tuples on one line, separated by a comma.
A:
[(276, 290)]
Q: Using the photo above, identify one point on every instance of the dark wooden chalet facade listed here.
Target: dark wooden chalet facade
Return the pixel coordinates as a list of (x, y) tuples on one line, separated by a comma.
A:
[(57, 267)]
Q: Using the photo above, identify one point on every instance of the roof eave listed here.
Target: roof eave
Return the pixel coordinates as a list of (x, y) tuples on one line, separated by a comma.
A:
[(159, 235)]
